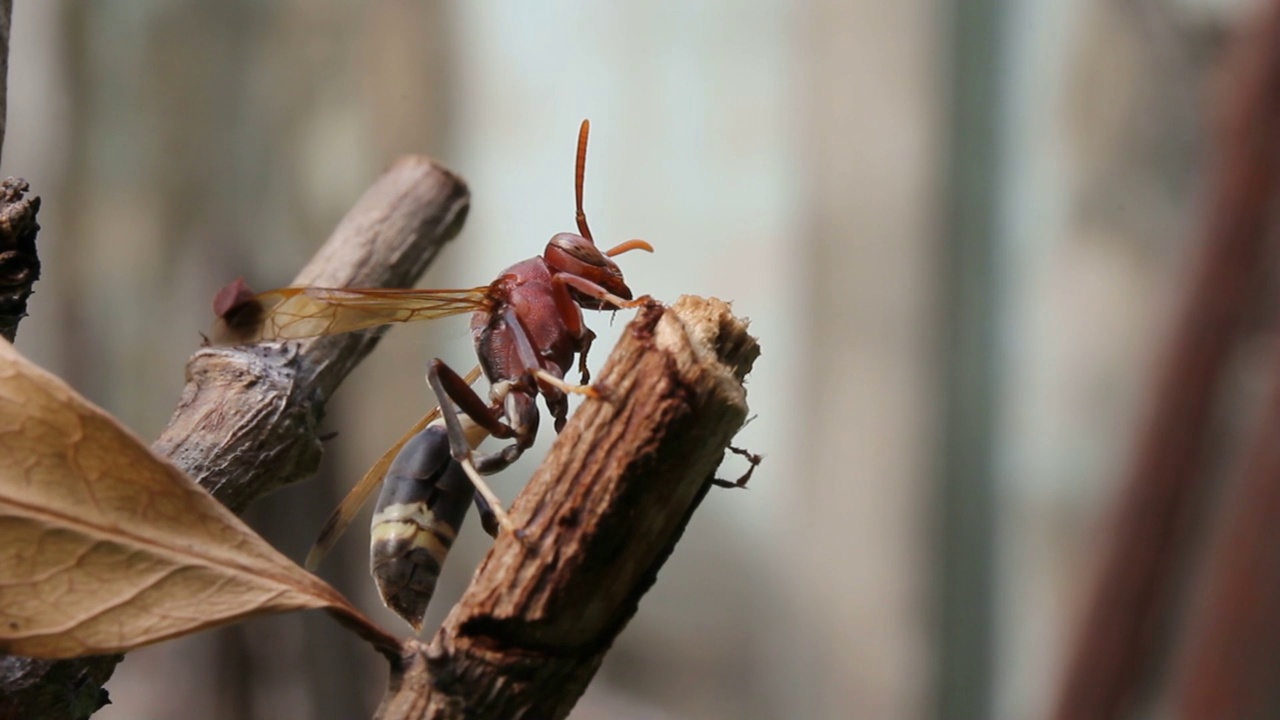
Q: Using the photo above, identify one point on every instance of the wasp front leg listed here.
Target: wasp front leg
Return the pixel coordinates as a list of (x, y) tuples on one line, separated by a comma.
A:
[(588, 337), (570, 314), (418, 514), (599, 293)]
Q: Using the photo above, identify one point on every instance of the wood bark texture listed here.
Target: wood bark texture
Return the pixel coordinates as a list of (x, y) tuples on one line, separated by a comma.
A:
[(600, 516), (247, 420)]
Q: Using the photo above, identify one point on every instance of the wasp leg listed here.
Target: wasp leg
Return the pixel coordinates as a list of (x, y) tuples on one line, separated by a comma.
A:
[(495, 503), (592, 290), (488, 519), (571, 314), (564, 386), (522, 408), (418, 514), (488, 465), (588, 337), (553, 391), (741, 482), (447, 383), (484, 417), (557, 395), (558, 406)]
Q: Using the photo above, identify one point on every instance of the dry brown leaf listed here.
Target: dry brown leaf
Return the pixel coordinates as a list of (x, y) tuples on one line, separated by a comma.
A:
[(105, 547)]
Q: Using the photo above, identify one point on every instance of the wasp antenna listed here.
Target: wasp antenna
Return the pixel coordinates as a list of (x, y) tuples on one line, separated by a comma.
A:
[(579, 173), (628, 246)]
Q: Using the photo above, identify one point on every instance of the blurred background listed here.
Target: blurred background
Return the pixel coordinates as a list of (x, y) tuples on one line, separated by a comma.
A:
[(957, 229)]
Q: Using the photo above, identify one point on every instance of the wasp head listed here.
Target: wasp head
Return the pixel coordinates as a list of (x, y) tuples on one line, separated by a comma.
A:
[(576, 255)]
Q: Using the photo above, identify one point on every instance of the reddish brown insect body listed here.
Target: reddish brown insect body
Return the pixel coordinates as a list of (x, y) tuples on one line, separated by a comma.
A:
[(528, 328)]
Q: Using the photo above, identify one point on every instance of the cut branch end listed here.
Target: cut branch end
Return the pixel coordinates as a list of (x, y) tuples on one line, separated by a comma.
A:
[(601, 516)]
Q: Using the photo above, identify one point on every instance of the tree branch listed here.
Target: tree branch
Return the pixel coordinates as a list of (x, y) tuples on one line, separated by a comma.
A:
[(1136, 587), (602, 515), (247, 421)]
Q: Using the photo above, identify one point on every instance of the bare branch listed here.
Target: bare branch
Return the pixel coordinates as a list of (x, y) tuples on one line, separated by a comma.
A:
[(247, 421), (602, 515)]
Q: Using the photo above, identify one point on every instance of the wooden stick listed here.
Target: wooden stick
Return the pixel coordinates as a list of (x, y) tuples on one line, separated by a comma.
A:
[(600, 516), (247, 421)]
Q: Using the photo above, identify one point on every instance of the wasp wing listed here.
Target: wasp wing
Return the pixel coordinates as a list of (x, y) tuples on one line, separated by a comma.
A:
[(346, 511), (303, 312)]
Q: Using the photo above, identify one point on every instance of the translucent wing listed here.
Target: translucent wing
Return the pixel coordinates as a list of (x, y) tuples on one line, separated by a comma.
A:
[(372, 480), (302, 312)]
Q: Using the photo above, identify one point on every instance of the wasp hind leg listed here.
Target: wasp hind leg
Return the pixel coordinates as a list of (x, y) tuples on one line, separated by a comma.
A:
[(488, 519), (448, 384)]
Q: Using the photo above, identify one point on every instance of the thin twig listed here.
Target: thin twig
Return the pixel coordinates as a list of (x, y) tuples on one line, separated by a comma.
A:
[(601, 516), (247, 421)]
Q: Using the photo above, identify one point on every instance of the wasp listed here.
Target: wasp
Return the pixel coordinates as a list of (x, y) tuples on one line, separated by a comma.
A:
[(528, 329)]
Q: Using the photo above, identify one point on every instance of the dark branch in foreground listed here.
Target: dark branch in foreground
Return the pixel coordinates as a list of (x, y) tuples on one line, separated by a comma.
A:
[(19, 263), (602, 515), (247, 421)]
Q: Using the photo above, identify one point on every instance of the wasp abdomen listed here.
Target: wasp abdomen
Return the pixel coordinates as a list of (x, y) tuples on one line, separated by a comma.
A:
[(419, 511)]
